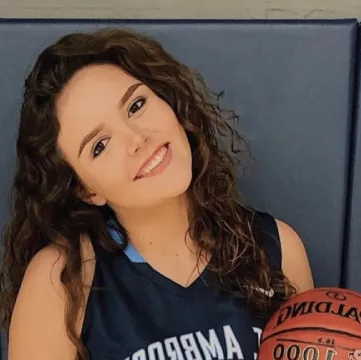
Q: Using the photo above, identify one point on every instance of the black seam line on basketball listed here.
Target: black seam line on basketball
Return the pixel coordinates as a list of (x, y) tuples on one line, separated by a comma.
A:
[(341, 290), (311, 328), (336, 347)]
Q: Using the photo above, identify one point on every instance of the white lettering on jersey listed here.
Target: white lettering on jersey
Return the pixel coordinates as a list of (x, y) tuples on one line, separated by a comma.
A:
[(155, 351), (173, 349), (197, 346), (190, 347), (211, 347), (232, 344), (139, 355), (257, 331)]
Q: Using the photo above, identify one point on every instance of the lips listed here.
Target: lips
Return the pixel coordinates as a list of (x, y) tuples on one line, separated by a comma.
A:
[(153, 161)]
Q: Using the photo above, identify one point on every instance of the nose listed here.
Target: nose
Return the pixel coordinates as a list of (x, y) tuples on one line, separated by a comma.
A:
[(137, 140)]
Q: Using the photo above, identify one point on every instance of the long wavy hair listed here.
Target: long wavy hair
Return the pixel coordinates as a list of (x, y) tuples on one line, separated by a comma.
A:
[(46, 207)]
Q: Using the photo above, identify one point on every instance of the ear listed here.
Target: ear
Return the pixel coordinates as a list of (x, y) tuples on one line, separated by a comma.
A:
[(94, 199), (91, 198)]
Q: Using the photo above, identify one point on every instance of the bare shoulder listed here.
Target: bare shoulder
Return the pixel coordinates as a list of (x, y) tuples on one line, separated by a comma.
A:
[(37, 329), (295, 263)]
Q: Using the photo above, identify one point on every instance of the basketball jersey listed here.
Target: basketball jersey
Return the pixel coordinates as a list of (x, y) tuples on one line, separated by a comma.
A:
[(135, 313)]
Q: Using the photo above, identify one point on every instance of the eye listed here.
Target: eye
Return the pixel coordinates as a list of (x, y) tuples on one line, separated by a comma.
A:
[(136, 106), (99, 148)]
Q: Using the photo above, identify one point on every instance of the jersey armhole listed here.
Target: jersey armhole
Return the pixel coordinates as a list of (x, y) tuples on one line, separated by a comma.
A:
[(266, 231)]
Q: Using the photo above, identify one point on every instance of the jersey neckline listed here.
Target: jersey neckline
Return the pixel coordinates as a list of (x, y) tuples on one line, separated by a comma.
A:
[(136, 260), (199, 285)]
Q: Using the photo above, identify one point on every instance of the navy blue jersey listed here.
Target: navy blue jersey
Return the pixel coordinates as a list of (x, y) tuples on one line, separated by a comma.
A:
[(139, 314)]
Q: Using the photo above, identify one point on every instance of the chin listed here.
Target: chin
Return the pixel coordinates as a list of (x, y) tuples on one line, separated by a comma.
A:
[(168, 190), (176, 186)]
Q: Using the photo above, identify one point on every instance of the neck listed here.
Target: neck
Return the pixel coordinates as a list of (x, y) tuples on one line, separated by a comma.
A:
[(161, 229)]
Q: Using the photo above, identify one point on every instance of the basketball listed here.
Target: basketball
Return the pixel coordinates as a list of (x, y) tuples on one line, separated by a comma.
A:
[(319, 324)]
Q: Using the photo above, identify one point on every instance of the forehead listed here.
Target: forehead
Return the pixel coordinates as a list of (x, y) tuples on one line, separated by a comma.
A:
[(93, 88), (88, 98)]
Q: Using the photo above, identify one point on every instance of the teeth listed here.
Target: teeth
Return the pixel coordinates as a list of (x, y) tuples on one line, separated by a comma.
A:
[(156, 161)]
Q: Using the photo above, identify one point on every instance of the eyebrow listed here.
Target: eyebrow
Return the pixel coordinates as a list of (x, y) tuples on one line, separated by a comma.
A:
[(87, 138), (129, 93), (90, 136)]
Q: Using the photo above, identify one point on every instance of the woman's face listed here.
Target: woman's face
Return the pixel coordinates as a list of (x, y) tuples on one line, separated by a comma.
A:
[(123, 141)]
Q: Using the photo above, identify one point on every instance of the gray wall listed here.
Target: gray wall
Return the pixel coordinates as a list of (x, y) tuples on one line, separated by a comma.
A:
[(248, 9)]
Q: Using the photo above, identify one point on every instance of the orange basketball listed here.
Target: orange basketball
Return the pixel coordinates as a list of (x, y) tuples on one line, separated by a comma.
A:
[(320, 324)]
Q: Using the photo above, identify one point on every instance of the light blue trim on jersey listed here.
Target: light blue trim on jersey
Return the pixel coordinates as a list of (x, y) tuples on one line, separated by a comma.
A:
[(133, 254), (130, 250)]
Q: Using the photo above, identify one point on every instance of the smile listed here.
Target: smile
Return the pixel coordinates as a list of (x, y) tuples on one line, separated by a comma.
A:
[(156, 163)]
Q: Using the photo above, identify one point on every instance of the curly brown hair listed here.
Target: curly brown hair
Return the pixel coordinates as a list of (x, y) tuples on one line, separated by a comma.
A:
[(46, 206)]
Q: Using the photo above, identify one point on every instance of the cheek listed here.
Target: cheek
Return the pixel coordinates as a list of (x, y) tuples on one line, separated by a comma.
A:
[(176, 130), (107, 176), (183, 139)]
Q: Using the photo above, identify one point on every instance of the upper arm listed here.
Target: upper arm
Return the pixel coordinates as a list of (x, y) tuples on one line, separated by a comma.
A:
[(295, 264), (37, 329)]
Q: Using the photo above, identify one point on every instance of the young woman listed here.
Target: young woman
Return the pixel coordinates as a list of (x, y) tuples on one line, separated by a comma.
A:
[(128, 239)]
